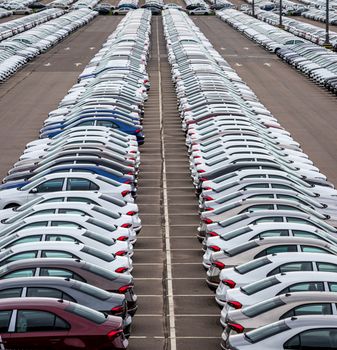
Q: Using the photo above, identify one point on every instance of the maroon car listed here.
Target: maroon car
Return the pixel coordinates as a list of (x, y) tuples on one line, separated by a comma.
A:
[(45, 323)]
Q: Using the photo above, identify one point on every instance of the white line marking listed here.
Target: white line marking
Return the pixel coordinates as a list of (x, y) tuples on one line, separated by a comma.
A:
[(78, 64), (173, 343), (92, 48), (238, 64), (222, 48), (47, 64), (246, 48), (267, 64), (67, 48)]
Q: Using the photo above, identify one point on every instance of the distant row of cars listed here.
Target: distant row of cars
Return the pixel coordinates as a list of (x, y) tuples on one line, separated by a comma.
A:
[(301, 29), (69, 219), (320, 15), (19, 25), (316, 62), (19, 49), (5, 13), (268, 215)]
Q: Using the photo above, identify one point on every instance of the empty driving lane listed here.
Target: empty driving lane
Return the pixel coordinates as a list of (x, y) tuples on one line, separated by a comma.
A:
[(176, 309), (302, 107), (28, 96)]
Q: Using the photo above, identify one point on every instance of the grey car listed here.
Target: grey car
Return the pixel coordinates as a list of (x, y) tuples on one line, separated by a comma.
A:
[(67, 289), (75, 269)]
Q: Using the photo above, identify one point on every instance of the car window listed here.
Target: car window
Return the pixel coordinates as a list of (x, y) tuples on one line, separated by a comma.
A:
[(20, 273), (56, 254), (266, 331), (332, 286), (60, 238), (81, 200), (30, 239), (308, 249), (272, 233), (53, 200), (72, 211), (107, 124), (309, 309), (5, 317), (43, 212), (10, 293), (268, 219), (264, 306), (324, 338), (39, 321), (304, 287), (51, 186), (277, 249), (252, 265), (326, 267), (306, 234), (256, 287), (78, 184), (64, 224), (54, 272), (19, 256), (39, 292), (292, 267)]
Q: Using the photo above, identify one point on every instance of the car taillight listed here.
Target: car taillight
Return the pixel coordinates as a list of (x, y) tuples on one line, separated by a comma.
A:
[(122, 238), (235, 304), (207, 221), (219, 264), (124, 289), (203, 179), (207, 188), (138, 130), (128, 182), (131, 213), (229, 283), (126, 225), (212, 234), (117, 309), (121, 253), (133, 152), (215, 248), (207, 198), (201, 171), (121, 269), (114, 334), (125, 193), (197, 164), (209, 209), (236, 327), (195, 157)]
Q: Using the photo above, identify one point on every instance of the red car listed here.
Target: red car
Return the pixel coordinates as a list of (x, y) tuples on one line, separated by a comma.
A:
[(45, 323)]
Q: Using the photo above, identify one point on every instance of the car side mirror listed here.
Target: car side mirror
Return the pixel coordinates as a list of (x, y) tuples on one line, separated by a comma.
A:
[(33, 190)]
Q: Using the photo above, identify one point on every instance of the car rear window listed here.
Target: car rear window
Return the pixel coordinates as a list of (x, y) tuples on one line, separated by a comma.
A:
[(258, 309), (97, 253), (241, 248), (255, 287), (92, 290), (100, 271), (252, 265), (235, 233), (87, 313), (266, 331)]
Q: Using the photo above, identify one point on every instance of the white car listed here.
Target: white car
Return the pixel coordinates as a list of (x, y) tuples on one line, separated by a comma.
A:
[(90, 197), (119, 264), (72, 220), (261, 247), (64, 181), (303, 332), (98, 241), (269, 287), (271, 265)]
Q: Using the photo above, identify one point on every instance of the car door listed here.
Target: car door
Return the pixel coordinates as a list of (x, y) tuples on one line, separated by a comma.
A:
[(5, 317), (53, 185), (38, 329)]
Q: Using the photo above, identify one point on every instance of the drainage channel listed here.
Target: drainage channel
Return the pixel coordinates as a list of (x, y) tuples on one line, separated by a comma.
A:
[(176, 309)]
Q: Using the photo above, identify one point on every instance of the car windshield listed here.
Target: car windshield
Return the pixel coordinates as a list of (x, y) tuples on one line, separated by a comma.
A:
[(264, 306), (256, 287), (266, 331), (252, 265), (87, 313)]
